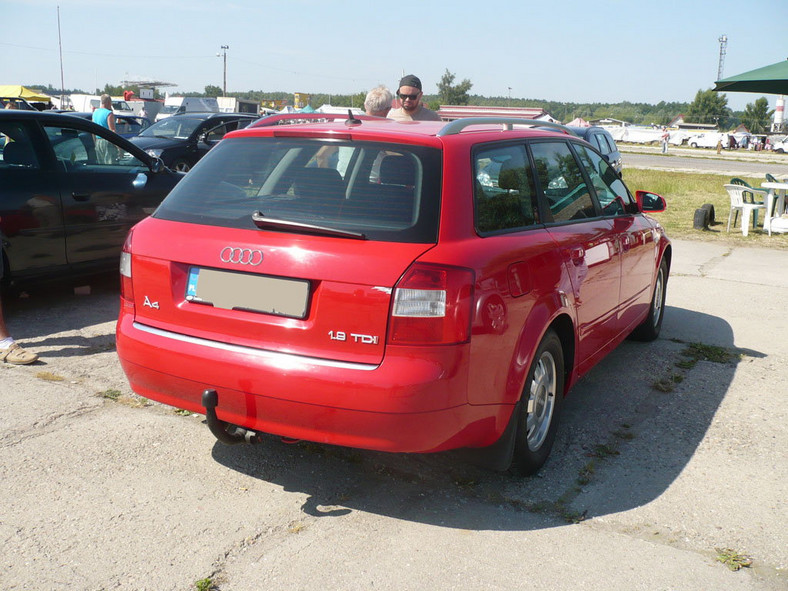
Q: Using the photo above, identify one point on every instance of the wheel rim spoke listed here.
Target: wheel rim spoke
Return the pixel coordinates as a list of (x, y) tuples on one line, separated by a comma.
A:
[(541, 400)]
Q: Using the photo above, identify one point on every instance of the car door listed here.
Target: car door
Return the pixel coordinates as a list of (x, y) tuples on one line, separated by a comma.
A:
[(633, 234), (105, 191), (31, 221), (587, 242), (213, 130)]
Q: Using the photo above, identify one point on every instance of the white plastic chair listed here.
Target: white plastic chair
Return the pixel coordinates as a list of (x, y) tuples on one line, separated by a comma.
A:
[(738, 205)]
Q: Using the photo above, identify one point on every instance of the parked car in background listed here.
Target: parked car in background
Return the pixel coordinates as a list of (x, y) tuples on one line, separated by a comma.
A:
[(70, 191), (125, 125), (181, 140), (15, 102), (601, 139), (780, 145), (351, 282), (708, 140), (175, 105)]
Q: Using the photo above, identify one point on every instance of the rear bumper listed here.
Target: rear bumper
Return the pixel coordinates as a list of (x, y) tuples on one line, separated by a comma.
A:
[(415, 401)]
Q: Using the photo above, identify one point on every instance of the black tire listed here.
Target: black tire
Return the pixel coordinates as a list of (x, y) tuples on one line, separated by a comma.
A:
[(709, 207), (650, 328), (540, 406), (700, 220), (181, 165)]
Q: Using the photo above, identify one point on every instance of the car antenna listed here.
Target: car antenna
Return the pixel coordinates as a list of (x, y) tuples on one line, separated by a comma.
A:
[(351, 120)]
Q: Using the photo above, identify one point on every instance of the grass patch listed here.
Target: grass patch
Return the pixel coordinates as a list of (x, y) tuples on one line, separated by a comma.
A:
[(111, 394), (701, 352), (603, 451), (686, 192), (182, 412), (48, 376), (666, 385), (205, 584), (585, 473), (732, 559)]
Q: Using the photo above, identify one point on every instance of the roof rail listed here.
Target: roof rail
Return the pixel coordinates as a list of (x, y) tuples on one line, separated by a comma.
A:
[(285, 118), (458, 125)]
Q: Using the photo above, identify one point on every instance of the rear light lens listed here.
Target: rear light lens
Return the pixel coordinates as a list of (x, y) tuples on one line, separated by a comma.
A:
[(432, 306), (126, 289)]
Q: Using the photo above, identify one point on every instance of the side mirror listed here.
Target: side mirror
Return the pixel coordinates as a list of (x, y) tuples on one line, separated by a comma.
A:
[(156, 165), (650, 201)]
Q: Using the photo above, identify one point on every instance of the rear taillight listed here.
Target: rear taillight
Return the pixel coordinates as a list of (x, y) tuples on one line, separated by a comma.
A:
[(126, 289), (432, 306)]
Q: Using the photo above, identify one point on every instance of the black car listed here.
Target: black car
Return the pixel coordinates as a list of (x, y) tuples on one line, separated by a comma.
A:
[(181, 140), (70, 190), (601, 139)]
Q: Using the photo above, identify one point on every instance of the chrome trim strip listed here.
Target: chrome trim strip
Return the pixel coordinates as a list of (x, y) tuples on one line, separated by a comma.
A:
[(284, 359)]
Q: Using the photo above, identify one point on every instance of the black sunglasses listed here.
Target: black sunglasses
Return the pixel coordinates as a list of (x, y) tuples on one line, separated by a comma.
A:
[(412, 97)]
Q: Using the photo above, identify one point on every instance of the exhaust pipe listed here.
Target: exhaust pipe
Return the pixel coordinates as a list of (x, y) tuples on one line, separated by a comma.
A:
[(223, 431)]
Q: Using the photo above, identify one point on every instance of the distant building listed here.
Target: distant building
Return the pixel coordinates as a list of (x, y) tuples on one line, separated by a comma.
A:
[(452, 112), (608, 122), (679, 123)]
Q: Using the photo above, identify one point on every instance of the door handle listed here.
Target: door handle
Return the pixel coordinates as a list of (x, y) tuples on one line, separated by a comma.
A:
[(81, 196)]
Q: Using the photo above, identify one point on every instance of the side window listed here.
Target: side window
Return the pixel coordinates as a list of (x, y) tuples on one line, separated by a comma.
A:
[(216, 133), (79, 149), (504, 194), (600, 142), (16, 147), (611, 192), (561, 181)]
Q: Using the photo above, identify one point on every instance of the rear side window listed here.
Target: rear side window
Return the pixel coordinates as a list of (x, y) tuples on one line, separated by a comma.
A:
[(386, 192), (599, 141), (562, 182), (504, 192), (611, 192)]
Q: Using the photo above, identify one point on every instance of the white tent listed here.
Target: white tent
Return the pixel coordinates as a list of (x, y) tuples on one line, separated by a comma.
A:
[(578, 122)]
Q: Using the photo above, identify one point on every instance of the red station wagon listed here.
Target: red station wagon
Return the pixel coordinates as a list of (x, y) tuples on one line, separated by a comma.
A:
[(396, 286)]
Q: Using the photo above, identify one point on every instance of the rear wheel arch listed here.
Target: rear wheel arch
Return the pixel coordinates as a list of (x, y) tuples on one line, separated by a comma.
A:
[(565, 329)]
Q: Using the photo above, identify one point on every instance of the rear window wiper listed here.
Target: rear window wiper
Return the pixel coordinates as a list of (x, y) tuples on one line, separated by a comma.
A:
[(263, 222)]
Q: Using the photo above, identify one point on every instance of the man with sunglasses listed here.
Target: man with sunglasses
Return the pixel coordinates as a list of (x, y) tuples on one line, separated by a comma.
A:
[(412, 108)]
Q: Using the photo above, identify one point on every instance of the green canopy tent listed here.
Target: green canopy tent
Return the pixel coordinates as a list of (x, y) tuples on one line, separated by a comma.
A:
[(771, 79)]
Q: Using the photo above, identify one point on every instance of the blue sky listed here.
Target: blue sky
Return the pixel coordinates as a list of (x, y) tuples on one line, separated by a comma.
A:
[(565, 50)]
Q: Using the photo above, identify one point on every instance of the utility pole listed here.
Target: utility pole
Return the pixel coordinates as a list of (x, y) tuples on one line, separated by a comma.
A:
[(723, 49), (224, 52)]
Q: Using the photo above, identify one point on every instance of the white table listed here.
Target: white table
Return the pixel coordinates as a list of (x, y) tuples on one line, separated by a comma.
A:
[(775, 207)]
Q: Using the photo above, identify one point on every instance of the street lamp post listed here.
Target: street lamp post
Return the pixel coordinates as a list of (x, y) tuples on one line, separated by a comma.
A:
[(224, 53)]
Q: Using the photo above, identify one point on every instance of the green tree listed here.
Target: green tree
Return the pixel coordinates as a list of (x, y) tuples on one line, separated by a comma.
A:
[(211, 90), (709, 107), (757, 116), (450, 94)]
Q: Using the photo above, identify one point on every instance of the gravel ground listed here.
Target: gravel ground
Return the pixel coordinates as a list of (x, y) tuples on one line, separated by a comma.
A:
[(100, 489)]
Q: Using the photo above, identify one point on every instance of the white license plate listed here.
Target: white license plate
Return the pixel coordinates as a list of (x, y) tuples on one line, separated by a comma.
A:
[(242, 291)]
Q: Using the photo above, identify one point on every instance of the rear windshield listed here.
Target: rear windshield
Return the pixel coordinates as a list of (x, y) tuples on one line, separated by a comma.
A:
[(387, 192)]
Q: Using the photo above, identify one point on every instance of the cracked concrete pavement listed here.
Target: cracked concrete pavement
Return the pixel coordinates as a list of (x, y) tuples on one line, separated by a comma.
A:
[(101, 490)]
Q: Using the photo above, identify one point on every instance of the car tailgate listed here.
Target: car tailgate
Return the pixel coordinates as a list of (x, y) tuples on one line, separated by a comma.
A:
[(315, 296)]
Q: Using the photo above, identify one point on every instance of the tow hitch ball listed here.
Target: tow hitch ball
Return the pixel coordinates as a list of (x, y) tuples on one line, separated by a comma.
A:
[(223, 431)]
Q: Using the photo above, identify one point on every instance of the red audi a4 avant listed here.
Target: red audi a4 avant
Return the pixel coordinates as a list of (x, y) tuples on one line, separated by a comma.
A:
[(406, 287)]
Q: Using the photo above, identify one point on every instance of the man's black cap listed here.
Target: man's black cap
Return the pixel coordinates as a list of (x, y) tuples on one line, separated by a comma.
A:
[(410, 80)]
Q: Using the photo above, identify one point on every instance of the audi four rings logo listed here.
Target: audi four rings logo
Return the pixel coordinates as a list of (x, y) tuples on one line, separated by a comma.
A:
[(241, 256)]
